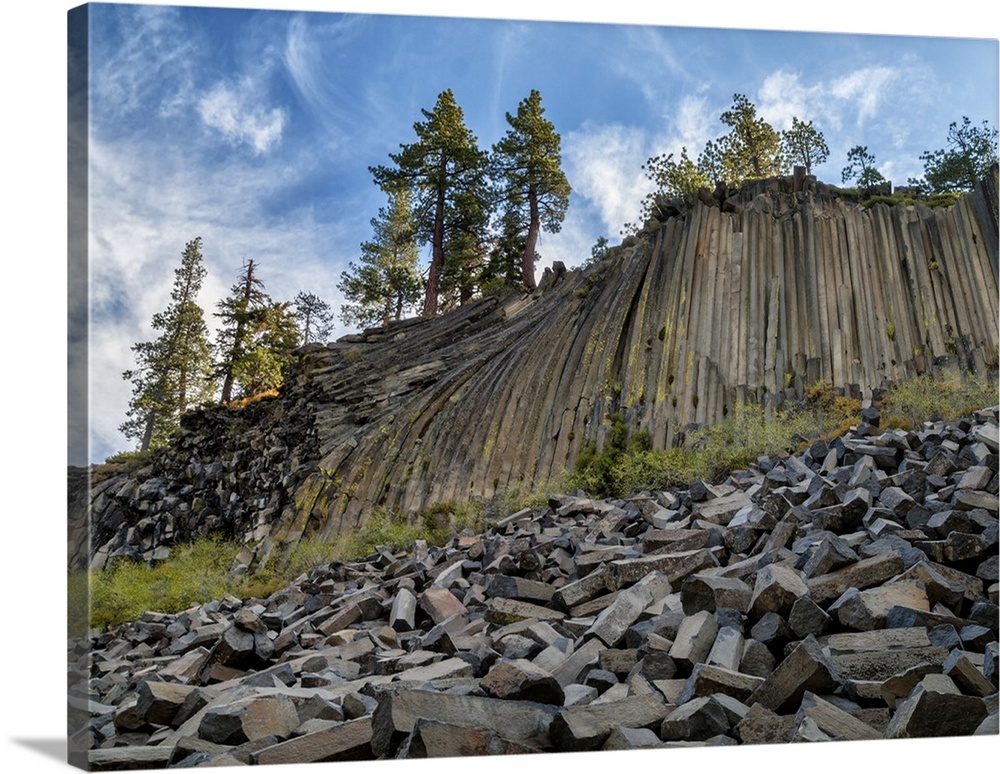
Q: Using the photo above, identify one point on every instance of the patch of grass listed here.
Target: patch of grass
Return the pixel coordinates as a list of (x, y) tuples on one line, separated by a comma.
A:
[(937, 200), (194, 574), (834, 414), (131, 460), (928, 398), (625, 465)]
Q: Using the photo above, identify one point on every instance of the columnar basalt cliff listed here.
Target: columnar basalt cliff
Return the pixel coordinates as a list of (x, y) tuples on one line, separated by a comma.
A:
[(737, 297)]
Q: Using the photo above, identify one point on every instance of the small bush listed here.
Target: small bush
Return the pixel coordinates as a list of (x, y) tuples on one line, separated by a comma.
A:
[(131, 460)]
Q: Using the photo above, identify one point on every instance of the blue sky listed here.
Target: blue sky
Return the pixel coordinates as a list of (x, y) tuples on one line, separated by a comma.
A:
[(33, 56), (255, 129)]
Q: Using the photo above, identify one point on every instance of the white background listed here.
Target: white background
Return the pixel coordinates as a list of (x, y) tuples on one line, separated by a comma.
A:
[(32, 506)]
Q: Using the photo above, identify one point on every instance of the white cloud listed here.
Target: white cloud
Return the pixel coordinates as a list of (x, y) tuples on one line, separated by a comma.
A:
[(692, 124), (865, 90), (604, 166), (138, 232), (231, 110), (783, 96)]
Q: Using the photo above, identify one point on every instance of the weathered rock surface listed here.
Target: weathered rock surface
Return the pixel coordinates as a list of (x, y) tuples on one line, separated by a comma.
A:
[(888, 638), (741, 297)]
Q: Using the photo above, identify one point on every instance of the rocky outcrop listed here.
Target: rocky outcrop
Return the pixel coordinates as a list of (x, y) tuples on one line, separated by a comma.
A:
[(845, 593), (729, 298)]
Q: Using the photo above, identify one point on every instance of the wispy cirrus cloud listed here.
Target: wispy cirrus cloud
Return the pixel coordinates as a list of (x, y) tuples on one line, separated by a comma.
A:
[(148, 60)]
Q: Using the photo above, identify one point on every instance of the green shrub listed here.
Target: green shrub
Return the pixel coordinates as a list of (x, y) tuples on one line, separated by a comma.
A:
[(132, 459)]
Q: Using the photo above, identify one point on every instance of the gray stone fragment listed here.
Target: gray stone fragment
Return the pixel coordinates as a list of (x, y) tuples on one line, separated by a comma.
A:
[(806, 617), (524, 681), (403, 614), (702, 591), (577, 729), (727, 650), (935, 707), (776, 589), (523, 722), (434, 739), (632, 739), (694, 639), (832, 720), (696, 720), (805, 668), (336, 742)]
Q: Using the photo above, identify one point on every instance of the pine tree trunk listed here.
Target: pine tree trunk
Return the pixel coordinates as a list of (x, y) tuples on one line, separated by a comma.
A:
[(528, 259), (437, 254), (147, 435), (227, 384)]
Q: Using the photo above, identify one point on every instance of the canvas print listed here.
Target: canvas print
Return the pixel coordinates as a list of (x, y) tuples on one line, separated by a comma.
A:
[(456, 387)]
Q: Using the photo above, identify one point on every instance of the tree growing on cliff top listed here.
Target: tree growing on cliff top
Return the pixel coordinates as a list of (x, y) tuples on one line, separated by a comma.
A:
[(173, 372), (861, 169), (385, 284), (527, 163), (752, 149), (970, 154), (442, 165), (314, 317), (673, 177), (804, 144), (256, 339)]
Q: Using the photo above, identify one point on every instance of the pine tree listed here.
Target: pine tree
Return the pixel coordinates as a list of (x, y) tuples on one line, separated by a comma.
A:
[(443, 164), (804, 144), (265, 362), (527, 162), (385, 283), (752, 150), (861, 169), (503, 264), (971, 153), (173, 372), (256, 339), (466, 248), (314, 317)]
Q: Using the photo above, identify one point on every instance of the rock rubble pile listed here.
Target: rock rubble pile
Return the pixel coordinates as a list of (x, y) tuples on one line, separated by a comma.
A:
[(845, 592)]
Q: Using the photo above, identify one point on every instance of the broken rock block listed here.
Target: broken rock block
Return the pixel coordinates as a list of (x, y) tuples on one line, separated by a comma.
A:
[(694, 641), (434, 739), (523, 722), (868, 609), (337, 742), (805, 668), (521, 679), (612, 623), (703, 591), (776, 589), (762, 726), (578, 729), (860, 575), (249, 719), (158, 702), (936, 707), (696, 720), (832, 720)]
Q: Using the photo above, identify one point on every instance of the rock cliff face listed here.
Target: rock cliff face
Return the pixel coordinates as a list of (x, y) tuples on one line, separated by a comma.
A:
[(725, 299)]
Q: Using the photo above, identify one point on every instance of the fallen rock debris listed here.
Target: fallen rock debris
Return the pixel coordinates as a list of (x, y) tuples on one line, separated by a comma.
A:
[(845, 594)]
